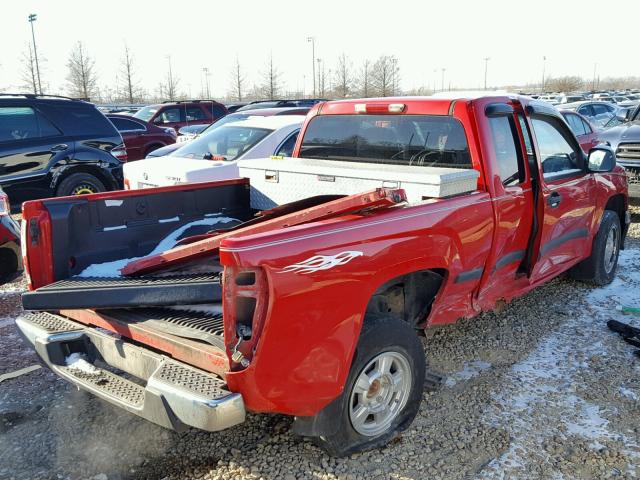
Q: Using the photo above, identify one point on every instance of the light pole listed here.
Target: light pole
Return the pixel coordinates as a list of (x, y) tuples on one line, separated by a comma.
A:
[(320, 86), (595, 67), (486, 63), (435, 79), (313, 62), (205, 70), (443, 70), (544, 64), (32, 18)]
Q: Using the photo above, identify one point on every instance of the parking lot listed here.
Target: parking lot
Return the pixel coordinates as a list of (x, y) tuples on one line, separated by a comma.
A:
[(540, 389)]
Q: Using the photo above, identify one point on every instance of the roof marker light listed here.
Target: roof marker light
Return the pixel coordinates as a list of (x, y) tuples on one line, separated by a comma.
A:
[(360, 107), (396, 107)]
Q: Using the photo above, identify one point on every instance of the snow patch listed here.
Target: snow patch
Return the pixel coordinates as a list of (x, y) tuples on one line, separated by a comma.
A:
[(112, 269), (630, 394), (77, 361), (469, 371)]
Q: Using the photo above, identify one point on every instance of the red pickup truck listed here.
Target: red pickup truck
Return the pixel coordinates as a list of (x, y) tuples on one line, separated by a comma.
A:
[(215, 299)]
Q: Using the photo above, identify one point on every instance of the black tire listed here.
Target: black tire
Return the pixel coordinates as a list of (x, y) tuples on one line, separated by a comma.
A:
[(79, 184), (382, 336), (8, 264), (600, 267)]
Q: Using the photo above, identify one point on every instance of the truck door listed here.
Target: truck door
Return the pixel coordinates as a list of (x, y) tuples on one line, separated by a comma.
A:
[(505, 160), (563, 236)]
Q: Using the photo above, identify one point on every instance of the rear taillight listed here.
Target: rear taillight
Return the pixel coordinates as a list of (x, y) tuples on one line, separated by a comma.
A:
[(23, 250), (120, 152), (4, 204)]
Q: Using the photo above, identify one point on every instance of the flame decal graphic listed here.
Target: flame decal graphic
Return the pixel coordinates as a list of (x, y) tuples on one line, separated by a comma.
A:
[(322, 262)]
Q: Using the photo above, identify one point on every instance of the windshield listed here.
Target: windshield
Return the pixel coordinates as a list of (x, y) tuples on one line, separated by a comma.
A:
[(146, 113), (421, 140), (232, 117), (229, 142)]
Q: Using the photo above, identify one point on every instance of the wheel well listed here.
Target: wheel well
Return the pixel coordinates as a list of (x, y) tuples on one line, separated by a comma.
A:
[(408, 296), (82, 169), (154, 146), (618, 205)]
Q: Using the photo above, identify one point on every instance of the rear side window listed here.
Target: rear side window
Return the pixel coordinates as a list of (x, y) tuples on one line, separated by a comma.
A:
[(216, 110), (195, 113), (286, 149), (124, 125), (420, 140), (21, 123), (76, 118), (506, 153)]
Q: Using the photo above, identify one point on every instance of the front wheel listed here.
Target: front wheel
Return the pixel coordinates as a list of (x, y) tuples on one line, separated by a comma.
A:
[(79, 184), (383, 391), (600, 267)]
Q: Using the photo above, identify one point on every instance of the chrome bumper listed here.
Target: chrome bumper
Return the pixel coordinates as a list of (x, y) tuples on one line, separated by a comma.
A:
[(153, 386)]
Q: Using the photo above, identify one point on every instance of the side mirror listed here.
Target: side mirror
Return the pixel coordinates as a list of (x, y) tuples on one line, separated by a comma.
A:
[(601, 159)]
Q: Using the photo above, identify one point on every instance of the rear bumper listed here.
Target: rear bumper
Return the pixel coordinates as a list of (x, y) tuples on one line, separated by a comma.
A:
[(152, 386)]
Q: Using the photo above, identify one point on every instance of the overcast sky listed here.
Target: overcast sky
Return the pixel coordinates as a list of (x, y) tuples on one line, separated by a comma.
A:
[(424, 36)]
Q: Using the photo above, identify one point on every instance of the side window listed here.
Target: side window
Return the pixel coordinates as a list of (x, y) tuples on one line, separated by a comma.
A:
[(286, 149), (124, 125), (586, 111), (586, 126), (218, 111), (20, 123), (506, 153), (195, 113), (170, 115), (557, 154), (600, 109), (575, 123)]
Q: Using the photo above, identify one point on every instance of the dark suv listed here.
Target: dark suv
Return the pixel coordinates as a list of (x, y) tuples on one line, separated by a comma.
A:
[(182, 113), (56, 146)]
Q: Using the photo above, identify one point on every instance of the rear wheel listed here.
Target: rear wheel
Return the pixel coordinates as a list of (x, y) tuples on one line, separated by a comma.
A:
[(600, 267), (79, 184), (382, 394)]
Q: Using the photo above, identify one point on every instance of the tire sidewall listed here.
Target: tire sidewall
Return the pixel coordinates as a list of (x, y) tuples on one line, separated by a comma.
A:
[(610, 220), (67, 185), (380, 334)]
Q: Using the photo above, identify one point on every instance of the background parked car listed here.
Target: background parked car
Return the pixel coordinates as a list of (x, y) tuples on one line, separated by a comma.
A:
[(598, 113), (302, 102), (233, 117), (213, 155), (140, 137), (625, 141), (55, 146), (183, 113), (10, 257), (582, 128)]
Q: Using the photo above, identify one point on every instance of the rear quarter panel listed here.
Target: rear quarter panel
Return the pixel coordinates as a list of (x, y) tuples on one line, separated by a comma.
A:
[(313, 318)]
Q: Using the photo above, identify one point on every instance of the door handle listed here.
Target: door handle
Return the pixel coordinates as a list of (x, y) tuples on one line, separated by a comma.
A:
[(61, 147), (554, 200)]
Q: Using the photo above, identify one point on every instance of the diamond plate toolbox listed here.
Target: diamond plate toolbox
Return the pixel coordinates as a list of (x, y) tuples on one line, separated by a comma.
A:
[(275, 181)]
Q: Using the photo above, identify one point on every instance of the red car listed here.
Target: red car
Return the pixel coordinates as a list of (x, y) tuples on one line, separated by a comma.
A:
[(582, 128), (140, 137), (182, 113)]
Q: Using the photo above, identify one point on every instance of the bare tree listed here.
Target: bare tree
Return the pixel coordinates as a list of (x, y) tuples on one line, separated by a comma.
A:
[(169, 89), (238, 81), (343, 78), (384, 76), (364, 81), (127, 71), (29, 70), (564, 84), (271, 78), (82, 78)]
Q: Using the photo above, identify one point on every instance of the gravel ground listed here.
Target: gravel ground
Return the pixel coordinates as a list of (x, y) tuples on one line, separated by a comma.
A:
[(540, 389)]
